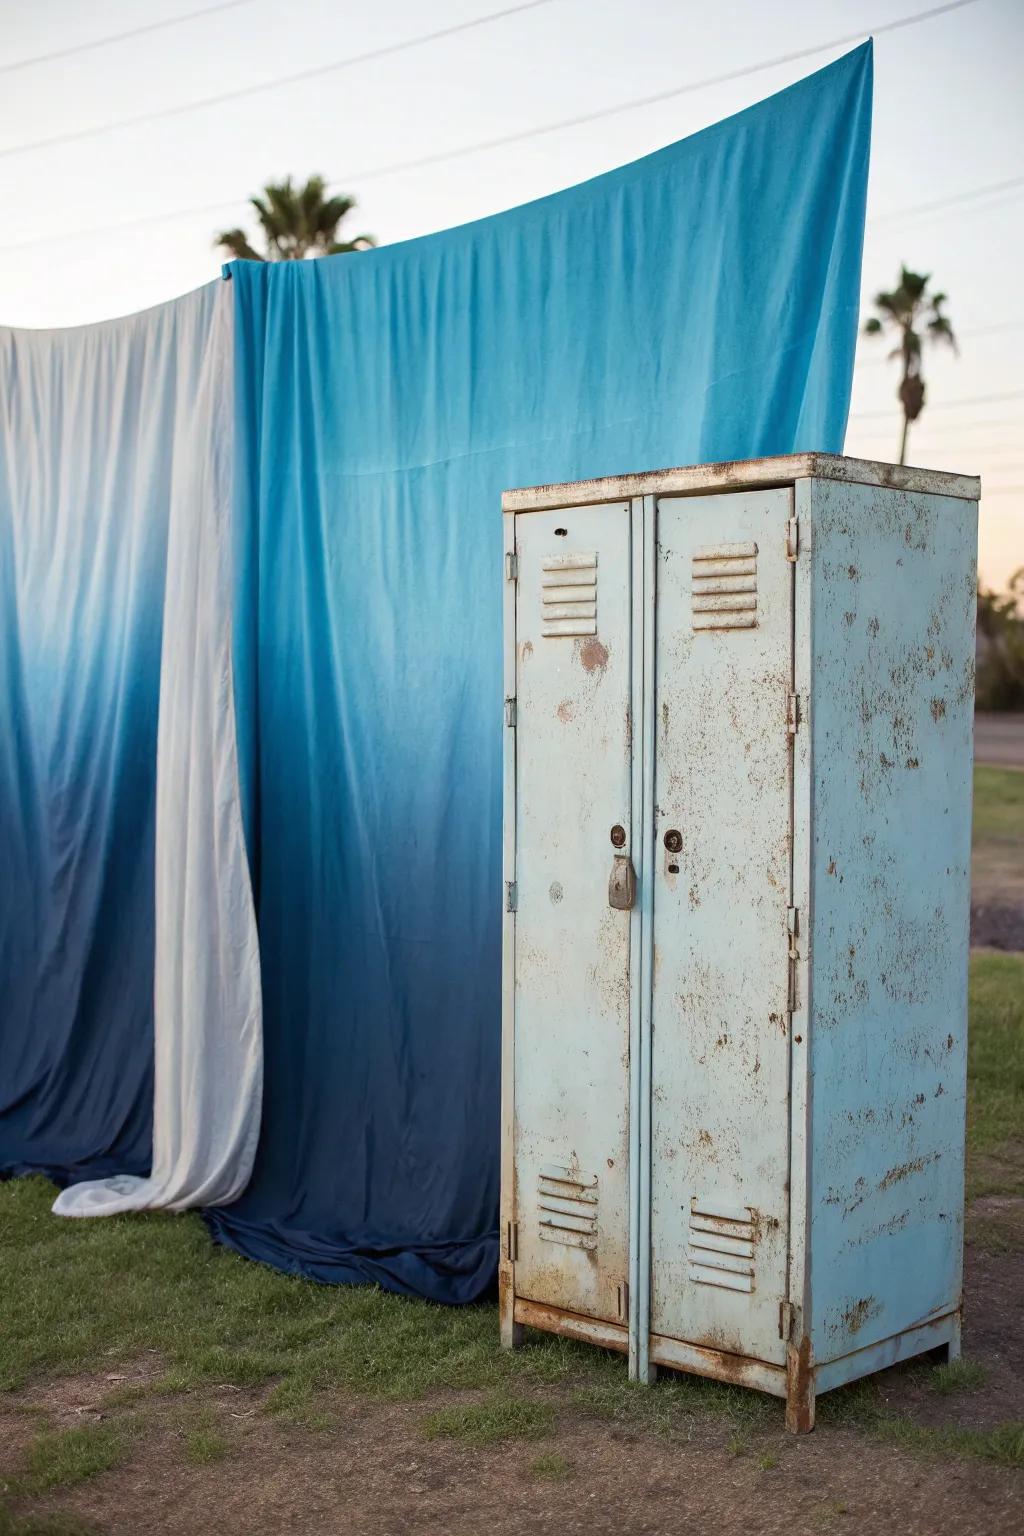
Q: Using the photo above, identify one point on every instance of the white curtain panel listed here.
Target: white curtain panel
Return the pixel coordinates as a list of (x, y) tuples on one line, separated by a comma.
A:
[(208, 1016)]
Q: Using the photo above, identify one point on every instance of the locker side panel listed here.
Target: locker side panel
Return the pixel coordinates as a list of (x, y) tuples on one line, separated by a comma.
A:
[(891, 717)]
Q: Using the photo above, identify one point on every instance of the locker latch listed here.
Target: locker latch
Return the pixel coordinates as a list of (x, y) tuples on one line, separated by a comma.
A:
[(792, 538), (511, 566), (622, 883)]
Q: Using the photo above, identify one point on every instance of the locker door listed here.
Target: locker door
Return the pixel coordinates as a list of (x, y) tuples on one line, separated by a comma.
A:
[(572, 947), (721, 883)]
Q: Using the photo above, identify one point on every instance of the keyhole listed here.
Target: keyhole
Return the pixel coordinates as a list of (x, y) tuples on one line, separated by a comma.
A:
[(618, 836), (674, 841)]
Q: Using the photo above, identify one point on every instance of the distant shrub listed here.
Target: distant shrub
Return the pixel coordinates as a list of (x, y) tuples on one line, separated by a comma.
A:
[(1000, 684)]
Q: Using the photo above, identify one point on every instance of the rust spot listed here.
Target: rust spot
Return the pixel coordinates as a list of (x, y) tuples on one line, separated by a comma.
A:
[(705, 1138), (565, 711), (912, 762), (938, 707), (527, 649), (849, 617), (593, 655), (873, 627), (555, 891), (906, 1170), (853, 573), (858, 1314), (799, 1388), (831, 867)]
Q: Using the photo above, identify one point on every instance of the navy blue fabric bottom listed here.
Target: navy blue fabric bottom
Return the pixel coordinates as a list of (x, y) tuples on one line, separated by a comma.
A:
[(452, 1273)]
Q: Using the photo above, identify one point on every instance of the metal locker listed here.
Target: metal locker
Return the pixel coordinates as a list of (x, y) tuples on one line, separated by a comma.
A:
[(738, 705)]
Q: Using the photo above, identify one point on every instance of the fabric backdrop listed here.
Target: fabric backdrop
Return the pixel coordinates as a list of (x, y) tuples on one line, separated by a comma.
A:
[(123, 872), (700, 304)]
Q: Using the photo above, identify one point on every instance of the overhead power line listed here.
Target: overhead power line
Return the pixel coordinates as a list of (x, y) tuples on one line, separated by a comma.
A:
[(482, 145), (945, 405), (76, 135), (866, 361), (120, 37), (947, 202)]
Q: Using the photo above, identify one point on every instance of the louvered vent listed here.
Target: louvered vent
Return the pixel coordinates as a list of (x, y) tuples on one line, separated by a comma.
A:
[(568, 595), (567, 1202), (722, 1239), (725, 587)]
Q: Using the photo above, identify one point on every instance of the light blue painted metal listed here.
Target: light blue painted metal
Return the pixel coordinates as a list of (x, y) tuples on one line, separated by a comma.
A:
[(721, 890), (892, 694), (793, 1022), (574, 785)]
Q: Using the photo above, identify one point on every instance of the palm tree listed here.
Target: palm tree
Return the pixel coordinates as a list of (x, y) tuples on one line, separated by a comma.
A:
[(914, 315), (297, 222)]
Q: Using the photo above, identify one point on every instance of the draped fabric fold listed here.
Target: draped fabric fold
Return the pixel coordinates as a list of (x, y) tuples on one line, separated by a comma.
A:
[(128, 933), (700, 304)]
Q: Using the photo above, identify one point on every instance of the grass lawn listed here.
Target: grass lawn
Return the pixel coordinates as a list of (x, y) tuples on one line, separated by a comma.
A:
[(144, 1319), (997, 870)]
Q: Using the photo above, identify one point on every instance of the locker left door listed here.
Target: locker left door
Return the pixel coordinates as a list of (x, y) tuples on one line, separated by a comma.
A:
[(572, 898)]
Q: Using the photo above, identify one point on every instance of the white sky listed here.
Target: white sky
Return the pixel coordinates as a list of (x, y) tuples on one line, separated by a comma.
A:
[(949, 117)]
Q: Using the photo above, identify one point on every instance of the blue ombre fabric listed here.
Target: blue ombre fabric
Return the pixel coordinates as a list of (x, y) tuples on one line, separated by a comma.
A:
[(92, 423), (700, 304)]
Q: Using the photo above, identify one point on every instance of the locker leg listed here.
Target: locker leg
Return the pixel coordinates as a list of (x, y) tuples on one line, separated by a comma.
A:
[(800, 1389), (511, 1332)]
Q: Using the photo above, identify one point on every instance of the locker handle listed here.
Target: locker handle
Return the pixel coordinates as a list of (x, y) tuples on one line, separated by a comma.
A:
[(622, 883)]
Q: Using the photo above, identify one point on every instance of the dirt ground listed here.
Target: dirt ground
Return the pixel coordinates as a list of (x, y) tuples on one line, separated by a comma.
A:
[(367, 1467)]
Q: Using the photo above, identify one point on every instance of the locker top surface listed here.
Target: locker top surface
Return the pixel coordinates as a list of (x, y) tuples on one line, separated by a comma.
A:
[(741, 475)]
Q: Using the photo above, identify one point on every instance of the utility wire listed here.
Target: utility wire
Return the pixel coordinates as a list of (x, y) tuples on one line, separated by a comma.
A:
[(946, 202), (120, 37), (945, 405), (76, 135), (480, 146), (864, 361)]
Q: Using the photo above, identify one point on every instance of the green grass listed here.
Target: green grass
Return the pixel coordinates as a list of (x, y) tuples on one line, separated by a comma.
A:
[(500, 1417), (995, 1075), (60, 1458), (958, 1376), (552, 1465), (998, 865)]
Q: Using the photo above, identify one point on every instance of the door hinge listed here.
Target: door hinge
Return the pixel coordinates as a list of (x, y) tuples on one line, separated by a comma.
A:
[(510, 712), (511, 896), (794, 713), (622, 1301), (792, 538), (511, 566), (512, 1241), (785, 1320), (793, 934)]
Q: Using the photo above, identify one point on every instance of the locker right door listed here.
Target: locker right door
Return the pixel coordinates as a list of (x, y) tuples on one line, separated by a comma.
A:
[(721, 892)]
